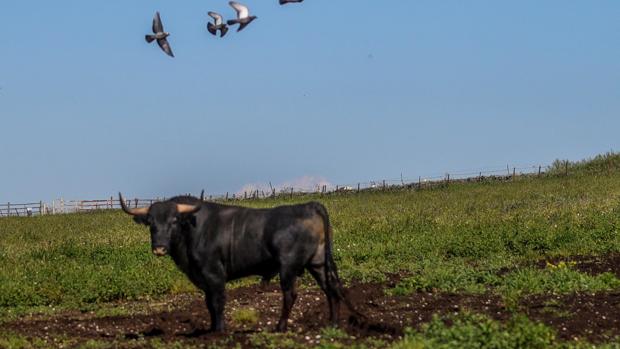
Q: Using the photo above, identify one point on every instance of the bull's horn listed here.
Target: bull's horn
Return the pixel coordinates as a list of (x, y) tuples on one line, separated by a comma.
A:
[(182, 208), (132, 211)]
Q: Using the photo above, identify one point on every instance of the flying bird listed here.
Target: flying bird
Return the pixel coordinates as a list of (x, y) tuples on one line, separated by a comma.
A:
[(284, 2), (217, 25), (243, 15), (160, 35)]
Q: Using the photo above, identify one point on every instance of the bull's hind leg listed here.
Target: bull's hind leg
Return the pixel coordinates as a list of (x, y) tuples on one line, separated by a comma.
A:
[(289, 294), (318, 273)]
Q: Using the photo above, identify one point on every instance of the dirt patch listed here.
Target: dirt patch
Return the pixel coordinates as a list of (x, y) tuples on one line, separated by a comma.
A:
[(592, 265), (595, 317), (188, 319)]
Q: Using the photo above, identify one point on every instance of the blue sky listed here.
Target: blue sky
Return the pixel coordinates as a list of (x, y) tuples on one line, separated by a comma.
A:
[(342, 90)]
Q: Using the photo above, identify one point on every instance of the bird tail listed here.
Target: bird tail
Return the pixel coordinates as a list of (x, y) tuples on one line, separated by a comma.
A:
[(223, 30), (149, 38), (232, 22), (211, 28), (241, 26)]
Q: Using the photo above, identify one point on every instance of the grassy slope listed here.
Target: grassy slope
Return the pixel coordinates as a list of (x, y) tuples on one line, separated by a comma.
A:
[(452, 239)]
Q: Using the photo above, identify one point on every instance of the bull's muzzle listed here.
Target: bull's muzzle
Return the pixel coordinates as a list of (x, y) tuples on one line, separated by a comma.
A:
[(159, 251)]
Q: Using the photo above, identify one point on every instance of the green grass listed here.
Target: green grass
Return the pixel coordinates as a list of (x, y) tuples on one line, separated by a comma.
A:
[(477, 331), (245, 317), (468, 330), (453, 239)]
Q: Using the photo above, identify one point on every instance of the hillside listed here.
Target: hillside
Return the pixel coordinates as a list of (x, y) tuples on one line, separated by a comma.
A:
[(512, 240)]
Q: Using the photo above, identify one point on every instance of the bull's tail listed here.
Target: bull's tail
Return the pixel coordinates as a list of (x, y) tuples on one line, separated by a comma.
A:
[(334, 285)]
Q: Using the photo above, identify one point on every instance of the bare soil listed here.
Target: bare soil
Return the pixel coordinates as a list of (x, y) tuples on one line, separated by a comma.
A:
[(592, 265), (591, 316)]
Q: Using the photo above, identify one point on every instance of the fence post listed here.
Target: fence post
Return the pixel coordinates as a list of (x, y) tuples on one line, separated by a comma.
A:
[(226, 196), (508, 169), (358, 187), (8, 209), (292, 193), (566, 168), (384, 184), (447, 178), (514, 170), (40, 208), (419, 182), (539, 168)]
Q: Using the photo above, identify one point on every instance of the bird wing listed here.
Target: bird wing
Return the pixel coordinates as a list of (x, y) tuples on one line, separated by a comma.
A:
[(157, 26), (216, 17), (163, 43), (242, 11)]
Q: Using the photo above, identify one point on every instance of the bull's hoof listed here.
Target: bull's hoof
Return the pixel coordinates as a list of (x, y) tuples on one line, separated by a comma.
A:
[(281, 328), (217, 330)]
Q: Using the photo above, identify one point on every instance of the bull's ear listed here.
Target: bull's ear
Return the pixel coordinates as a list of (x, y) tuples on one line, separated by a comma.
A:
[(192, 220), (141, 219)]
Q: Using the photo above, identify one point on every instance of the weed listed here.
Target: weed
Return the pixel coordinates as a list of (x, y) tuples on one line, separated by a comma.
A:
[(246, 317)]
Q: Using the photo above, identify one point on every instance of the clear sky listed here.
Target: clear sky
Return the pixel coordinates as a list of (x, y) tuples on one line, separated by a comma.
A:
[(345, 90)]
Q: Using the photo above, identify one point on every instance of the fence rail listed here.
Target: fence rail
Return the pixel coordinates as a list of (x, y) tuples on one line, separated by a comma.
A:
[(71, 206)]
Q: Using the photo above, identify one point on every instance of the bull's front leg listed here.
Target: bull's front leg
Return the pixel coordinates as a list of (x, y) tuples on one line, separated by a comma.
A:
[(216, 299)]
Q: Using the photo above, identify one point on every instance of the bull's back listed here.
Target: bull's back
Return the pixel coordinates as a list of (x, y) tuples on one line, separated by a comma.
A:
[(297, 229)]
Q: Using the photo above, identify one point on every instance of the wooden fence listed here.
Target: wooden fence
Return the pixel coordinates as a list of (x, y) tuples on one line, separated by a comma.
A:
[(25, 210), (420, 183)]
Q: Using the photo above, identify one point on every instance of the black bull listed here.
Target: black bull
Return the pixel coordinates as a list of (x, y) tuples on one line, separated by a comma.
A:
[(213, 244)]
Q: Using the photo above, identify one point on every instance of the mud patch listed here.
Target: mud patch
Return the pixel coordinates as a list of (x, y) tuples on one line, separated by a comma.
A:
[(591, 316), (592, 265), (187, 319), (184, 318)]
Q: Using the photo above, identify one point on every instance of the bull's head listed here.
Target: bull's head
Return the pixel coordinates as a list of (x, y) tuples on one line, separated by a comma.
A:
[(163, 219)]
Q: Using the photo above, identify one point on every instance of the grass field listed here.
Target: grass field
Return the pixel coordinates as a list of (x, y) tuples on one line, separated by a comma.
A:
[(511, 240)]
